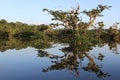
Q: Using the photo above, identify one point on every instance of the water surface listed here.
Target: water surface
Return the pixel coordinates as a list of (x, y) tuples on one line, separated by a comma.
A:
[(26, 64)]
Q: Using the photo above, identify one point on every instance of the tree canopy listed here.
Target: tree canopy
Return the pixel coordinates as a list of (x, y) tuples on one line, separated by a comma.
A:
[(72, 20)]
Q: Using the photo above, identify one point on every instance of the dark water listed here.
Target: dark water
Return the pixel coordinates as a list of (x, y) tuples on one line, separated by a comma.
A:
[(26, 64)]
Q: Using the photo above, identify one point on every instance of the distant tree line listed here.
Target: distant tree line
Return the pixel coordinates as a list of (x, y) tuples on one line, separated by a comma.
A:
[(23, 31), (9, 30)]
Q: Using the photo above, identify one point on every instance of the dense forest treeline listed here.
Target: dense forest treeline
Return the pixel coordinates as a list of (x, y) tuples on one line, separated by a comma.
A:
[(19, 30), (20, 35), (23, 31)]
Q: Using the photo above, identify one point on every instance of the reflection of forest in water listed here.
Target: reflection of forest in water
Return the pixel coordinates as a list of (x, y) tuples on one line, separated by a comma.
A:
[(74, 54), (18, 44)]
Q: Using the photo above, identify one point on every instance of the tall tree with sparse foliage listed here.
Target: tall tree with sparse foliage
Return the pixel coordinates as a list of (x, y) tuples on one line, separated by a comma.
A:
[(71, 19)]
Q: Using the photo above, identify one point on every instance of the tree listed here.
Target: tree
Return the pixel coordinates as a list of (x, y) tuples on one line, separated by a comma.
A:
[(71, 20)]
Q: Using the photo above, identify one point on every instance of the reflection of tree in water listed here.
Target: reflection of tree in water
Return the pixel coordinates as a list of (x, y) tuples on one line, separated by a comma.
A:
[(94, 67), (113, 46), (73, 57)]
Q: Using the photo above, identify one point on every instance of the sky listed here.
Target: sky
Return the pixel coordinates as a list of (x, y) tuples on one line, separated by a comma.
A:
[(30, 11)]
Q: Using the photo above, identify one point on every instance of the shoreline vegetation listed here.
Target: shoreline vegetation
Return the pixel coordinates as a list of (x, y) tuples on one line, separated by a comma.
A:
[(23, 31)]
